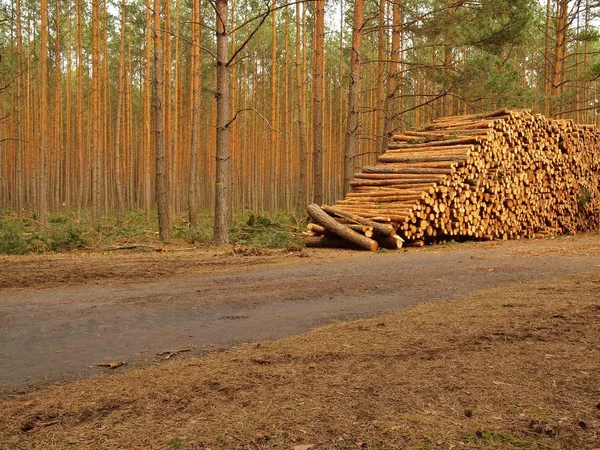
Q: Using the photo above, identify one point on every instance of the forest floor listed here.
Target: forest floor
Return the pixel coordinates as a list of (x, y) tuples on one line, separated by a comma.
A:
[(508, 357)]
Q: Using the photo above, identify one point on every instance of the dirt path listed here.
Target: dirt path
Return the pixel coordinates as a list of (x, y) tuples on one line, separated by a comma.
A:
[(59, 333)]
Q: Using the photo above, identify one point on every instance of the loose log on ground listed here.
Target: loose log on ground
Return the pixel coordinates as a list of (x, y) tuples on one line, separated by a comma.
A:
[(385, 230), (326, 221)]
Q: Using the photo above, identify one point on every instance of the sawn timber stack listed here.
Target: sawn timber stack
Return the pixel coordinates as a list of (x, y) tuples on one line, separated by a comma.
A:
[(504, 175)]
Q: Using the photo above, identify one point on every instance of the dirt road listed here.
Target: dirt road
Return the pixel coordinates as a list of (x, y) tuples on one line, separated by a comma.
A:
[(132, 308)]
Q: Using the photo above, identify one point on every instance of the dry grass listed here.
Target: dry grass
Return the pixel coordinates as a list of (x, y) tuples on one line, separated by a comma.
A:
[(512, 368)]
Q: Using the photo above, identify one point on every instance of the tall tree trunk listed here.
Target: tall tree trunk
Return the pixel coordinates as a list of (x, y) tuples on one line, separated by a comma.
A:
[(19, 115), (43, 172), (381, 78), (352, 127), (274, 156), (560, 53), (392, 81), (119, 127), (547, 74), (159, 136), (58, 110), (167, 112), (222, 188), (319, 49), (302, 148), (196, 97), (146, 148), (446, 99), (81, 178), (96, 153)]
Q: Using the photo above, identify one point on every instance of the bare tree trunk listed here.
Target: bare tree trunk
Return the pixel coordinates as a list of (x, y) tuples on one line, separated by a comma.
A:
[(392, 81), (161, 176), (18, 114), (547, 75), (380, 148), (58, 111), (95, 108), (273, 138), (3, 192), (302, 149), (352, 127), (43, 175), (81, 178), (319, 49), (196, 96), (560, 52), (222, 188), (146, 151), (446, 99), (119, 129)]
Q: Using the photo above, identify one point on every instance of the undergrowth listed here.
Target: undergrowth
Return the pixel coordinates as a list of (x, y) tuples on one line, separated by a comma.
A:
[(66, 232)]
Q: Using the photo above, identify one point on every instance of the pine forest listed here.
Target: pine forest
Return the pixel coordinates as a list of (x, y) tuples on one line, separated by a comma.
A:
[(175, 107)]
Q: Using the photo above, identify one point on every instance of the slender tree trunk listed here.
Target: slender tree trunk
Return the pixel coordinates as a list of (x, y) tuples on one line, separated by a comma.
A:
[(302, 148), (560, 53), (3, 191), (81, 178), (146, 148), (19, 114), (446, 99), (119, 127), (68, 169), (222, 188), (547, 74), (159, 136), (392, 81), (381, 78), (319, 49), (58, 110), (196, 97), (352, 127), (96, 153), (167, 110), (274, 156), (285, 149), (43, 172)]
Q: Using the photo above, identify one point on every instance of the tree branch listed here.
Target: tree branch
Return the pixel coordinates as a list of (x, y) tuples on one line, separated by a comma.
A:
[(255, 111)]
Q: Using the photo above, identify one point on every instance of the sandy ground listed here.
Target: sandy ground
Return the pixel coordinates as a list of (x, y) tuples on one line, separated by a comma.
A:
[(62, 315), (507, 358)]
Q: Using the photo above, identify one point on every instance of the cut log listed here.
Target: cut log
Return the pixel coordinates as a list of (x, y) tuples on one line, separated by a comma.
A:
[(317, 229), (325, 220), (328, 241), (385, 230), (400, 169)]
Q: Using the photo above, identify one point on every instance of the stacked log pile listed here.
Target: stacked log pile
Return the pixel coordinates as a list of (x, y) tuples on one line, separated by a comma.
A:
[(504, 175)]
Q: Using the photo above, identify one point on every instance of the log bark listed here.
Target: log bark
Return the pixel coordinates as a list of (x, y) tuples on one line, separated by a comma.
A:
[(385, 230), (328, 241), (326, 221)]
